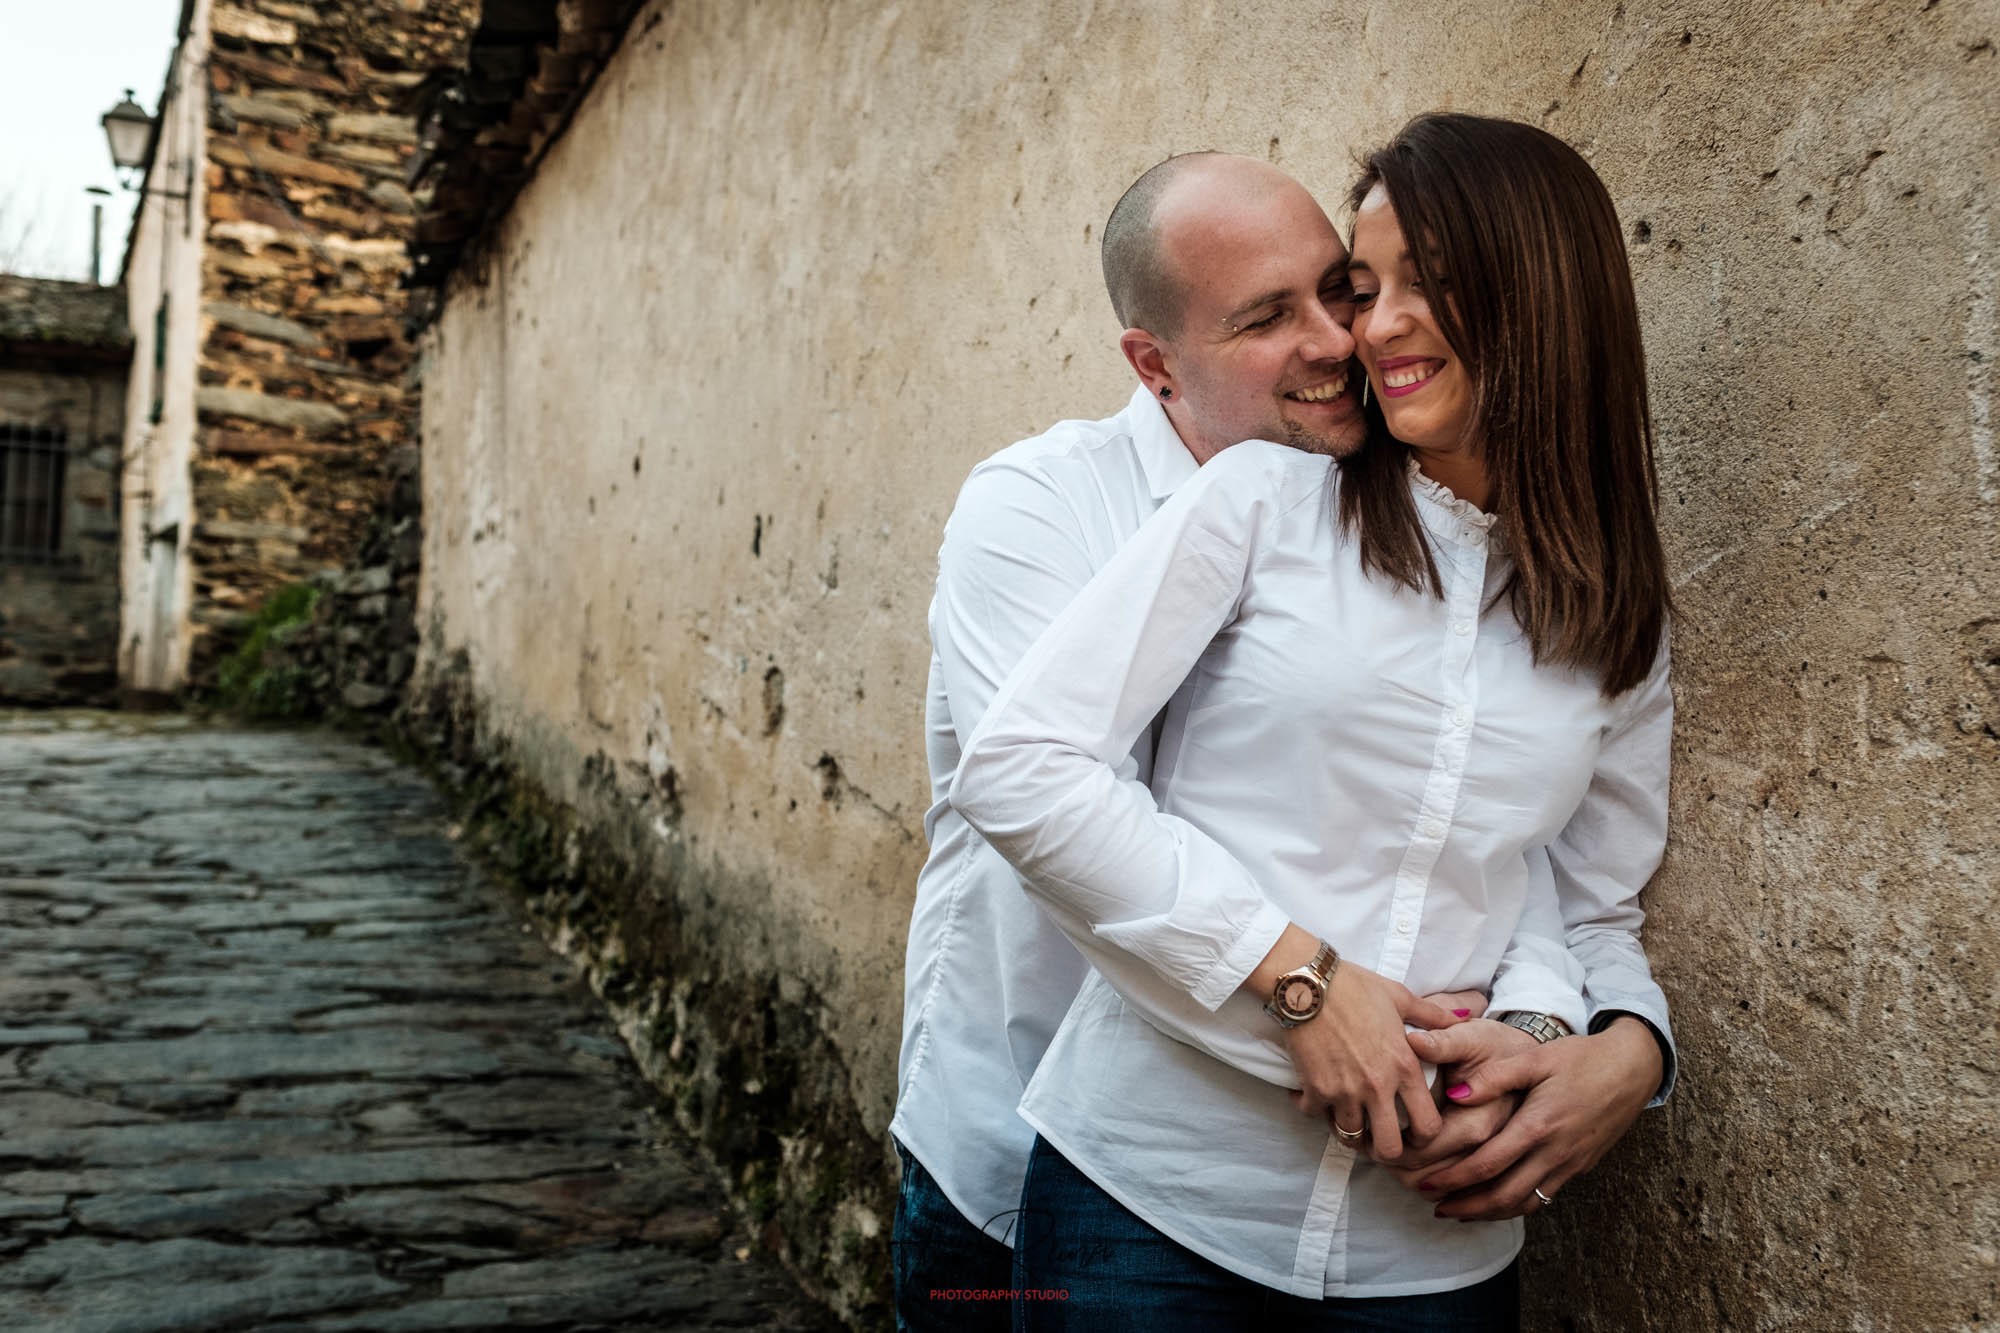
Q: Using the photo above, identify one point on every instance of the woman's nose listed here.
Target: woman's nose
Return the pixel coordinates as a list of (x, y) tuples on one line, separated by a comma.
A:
[(1388, 316)]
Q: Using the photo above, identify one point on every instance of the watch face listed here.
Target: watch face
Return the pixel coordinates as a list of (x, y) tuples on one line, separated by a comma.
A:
[(1299, 996)]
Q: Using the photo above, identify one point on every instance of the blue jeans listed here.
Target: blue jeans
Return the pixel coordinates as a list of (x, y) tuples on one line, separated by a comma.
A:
[(949, 1274), (1105, 1270)]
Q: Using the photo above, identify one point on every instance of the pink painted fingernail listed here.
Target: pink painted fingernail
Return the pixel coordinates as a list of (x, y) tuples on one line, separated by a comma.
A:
[(1463, 1013), (1458, 1092)]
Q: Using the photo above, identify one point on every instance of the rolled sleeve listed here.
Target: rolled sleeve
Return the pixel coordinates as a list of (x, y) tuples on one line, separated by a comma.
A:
[(1038, 778)]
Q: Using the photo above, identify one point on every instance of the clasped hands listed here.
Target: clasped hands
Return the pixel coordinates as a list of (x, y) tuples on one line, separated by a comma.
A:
[(1509, 1115)]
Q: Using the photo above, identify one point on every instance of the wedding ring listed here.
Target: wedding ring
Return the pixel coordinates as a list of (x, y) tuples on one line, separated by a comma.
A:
[(1547, 1202), (1349, 1134)]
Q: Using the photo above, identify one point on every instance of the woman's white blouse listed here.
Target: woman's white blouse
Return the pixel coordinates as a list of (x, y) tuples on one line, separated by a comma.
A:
[(1390, 770)]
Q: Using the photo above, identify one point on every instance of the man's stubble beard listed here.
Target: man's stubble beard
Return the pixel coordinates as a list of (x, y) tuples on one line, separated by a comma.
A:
[(1312, 442)]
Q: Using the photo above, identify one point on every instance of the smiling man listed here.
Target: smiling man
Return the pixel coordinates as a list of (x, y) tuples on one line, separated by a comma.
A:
[(1232, 287)]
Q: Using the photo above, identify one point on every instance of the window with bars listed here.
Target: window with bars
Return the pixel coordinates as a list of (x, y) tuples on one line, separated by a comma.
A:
[(33, 463)]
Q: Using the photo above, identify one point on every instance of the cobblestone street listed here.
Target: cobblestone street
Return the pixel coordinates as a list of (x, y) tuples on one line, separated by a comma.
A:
[(274, 1056)]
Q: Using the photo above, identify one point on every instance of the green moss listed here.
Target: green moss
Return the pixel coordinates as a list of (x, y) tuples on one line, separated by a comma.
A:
[(256, 680)]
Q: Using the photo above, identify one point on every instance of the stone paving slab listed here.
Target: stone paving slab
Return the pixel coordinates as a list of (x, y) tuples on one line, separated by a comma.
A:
[(273, 1056)]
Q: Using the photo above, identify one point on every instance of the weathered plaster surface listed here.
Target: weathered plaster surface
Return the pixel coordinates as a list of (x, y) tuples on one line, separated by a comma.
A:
[(690, 435), (162, 279)]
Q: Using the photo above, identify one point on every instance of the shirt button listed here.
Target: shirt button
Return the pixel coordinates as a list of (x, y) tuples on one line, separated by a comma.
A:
[(1462, 627), (1432, 828), (1475, 538), (1459, 717), (1404, 926)]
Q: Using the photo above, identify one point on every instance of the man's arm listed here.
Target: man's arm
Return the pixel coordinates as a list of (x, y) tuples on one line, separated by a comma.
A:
[(1014, 555)]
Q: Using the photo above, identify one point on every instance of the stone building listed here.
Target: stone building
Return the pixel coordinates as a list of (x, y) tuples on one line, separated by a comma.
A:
[(702, 389), (271, 410), (63, 352)]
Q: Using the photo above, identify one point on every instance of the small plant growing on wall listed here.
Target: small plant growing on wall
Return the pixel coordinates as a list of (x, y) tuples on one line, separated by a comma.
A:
[(260, 679)]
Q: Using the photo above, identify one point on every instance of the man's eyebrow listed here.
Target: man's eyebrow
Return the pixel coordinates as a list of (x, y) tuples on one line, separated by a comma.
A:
[(1267, 298)]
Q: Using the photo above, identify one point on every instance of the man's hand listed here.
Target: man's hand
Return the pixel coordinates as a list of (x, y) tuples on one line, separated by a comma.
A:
[(1466, 1128), (1583, 1093), (1353, 1060)]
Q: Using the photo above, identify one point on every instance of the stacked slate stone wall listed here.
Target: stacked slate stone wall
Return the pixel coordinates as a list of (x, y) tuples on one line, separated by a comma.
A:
[(307, 401)]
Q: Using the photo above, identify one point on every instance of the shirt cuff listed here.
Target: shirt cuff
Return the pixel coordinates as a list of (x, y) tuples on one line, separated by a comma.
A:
[(1241, 958), (1538, 991), (1669, 1058)]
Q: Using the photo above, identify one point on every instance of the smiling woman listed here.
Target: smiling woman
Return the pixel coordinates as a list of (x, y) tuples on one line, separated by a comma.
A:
[(1506, 355)]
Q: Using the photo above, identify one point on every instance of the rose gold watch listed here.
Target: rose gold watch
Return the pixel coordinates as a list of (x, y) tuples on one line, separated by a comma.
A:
[(1300, 992)]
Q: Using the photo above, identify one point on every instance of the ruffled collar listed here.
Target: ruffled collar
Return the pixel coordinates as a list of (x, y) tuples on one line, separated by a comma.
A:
[(1463, 510)]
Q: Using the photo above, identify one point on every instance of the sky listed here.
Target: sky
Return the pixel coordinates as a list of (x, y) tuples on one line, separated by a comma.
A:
[(63, 64)]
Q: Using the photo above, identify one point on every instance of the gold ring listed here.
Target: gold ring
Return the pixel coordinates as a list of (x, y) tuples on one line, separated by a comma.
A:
[(1349, 1133), (1547, 1202)]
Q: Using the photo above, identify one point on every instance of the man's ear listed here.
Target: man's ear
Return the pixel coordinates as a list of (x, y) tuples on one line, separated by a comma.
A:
[(1148, 358)]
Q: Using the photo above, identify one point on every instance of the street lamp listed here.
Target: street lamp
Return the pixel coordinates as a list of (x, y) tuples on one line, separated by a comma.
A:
[(130, 131), (131, 135)]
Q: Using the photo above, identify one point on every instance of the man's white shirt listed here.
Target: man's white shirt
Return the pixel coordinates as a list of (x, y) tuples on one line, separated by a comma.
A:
[(987, 976), (989, 973)]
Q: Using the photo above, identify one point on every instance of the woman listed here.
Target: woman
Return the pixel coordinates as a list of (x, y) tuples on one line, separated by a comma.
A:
[(1397, 715)]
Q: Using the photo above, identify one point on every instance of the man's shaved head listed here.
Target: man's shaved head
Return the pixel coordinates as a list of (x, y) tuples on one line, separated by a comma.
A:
[(1146, 285)]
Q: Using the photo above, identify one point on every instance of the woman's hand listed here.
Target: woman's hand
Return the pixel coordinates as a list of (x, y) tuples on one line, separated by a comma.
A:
[(1353, 1058)]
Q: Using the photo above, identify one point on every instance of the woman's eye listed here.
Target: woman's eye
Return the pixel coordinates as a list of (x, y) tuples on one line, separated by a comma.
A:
[(1363, 299)]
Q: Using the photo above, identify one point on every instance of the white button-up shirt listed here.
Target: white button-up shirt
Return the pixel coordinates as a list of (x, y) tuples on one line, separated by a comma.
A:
[(988, 977), (1381, 767)]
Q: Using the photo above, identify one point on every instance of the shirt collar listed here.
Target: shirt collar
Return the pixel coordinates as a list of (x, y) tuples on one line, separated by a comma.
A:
[(1166, 460), (1457, 521)]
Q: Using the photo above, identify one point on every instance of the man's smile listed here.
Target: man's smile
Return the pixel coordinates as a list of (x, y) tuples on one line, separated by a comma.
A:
[(1320, 393)]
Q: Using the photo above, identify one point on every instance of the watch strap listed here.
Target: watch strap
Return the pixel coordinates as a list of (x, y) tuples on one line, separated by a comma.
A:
[(1542, 1027), (1318, 971)]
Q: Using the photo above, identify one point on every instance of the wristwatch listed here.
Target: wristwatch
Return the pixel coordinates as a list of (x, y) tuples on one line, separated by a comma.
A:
[(1300, 992), (1542, 1027)]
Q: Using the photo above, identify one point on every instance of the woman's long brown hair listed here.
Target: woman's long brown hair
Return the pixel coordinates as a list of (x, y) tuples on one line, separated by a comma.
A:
[(1516, 227)]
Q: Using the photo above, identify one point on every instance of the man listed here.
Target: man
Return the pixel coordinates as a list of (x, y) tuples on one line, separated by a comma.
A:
[(1231, 285)]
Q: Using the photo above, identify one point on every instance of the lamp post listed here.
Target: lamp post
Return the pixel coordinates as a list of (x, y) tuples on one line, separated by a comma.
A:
[(130, 132)]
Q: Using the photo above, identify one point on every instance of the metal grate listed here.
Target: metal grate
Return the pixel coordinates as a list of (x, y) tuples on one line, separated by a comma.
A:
[(33, 462)]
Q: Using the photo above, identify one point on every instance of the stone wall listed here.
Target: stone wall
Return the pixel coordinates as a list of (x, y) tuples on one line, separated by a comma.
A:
[(63, 349), (307, 409), (696, 412)]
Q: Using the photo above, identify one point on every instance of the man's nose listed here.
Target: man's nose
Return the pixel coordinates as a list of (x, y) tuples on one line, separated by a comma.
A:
[(1328, 339)]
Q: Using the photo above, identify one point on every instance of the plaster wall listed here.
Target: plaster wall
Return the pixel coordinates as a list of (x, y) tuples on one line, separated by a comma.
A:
[(163, 280), (691, 431)]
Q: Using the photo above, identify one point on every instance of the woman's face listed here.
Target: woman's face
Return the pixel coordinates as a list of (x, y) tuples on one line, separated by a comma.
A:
[(1425, 389)]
